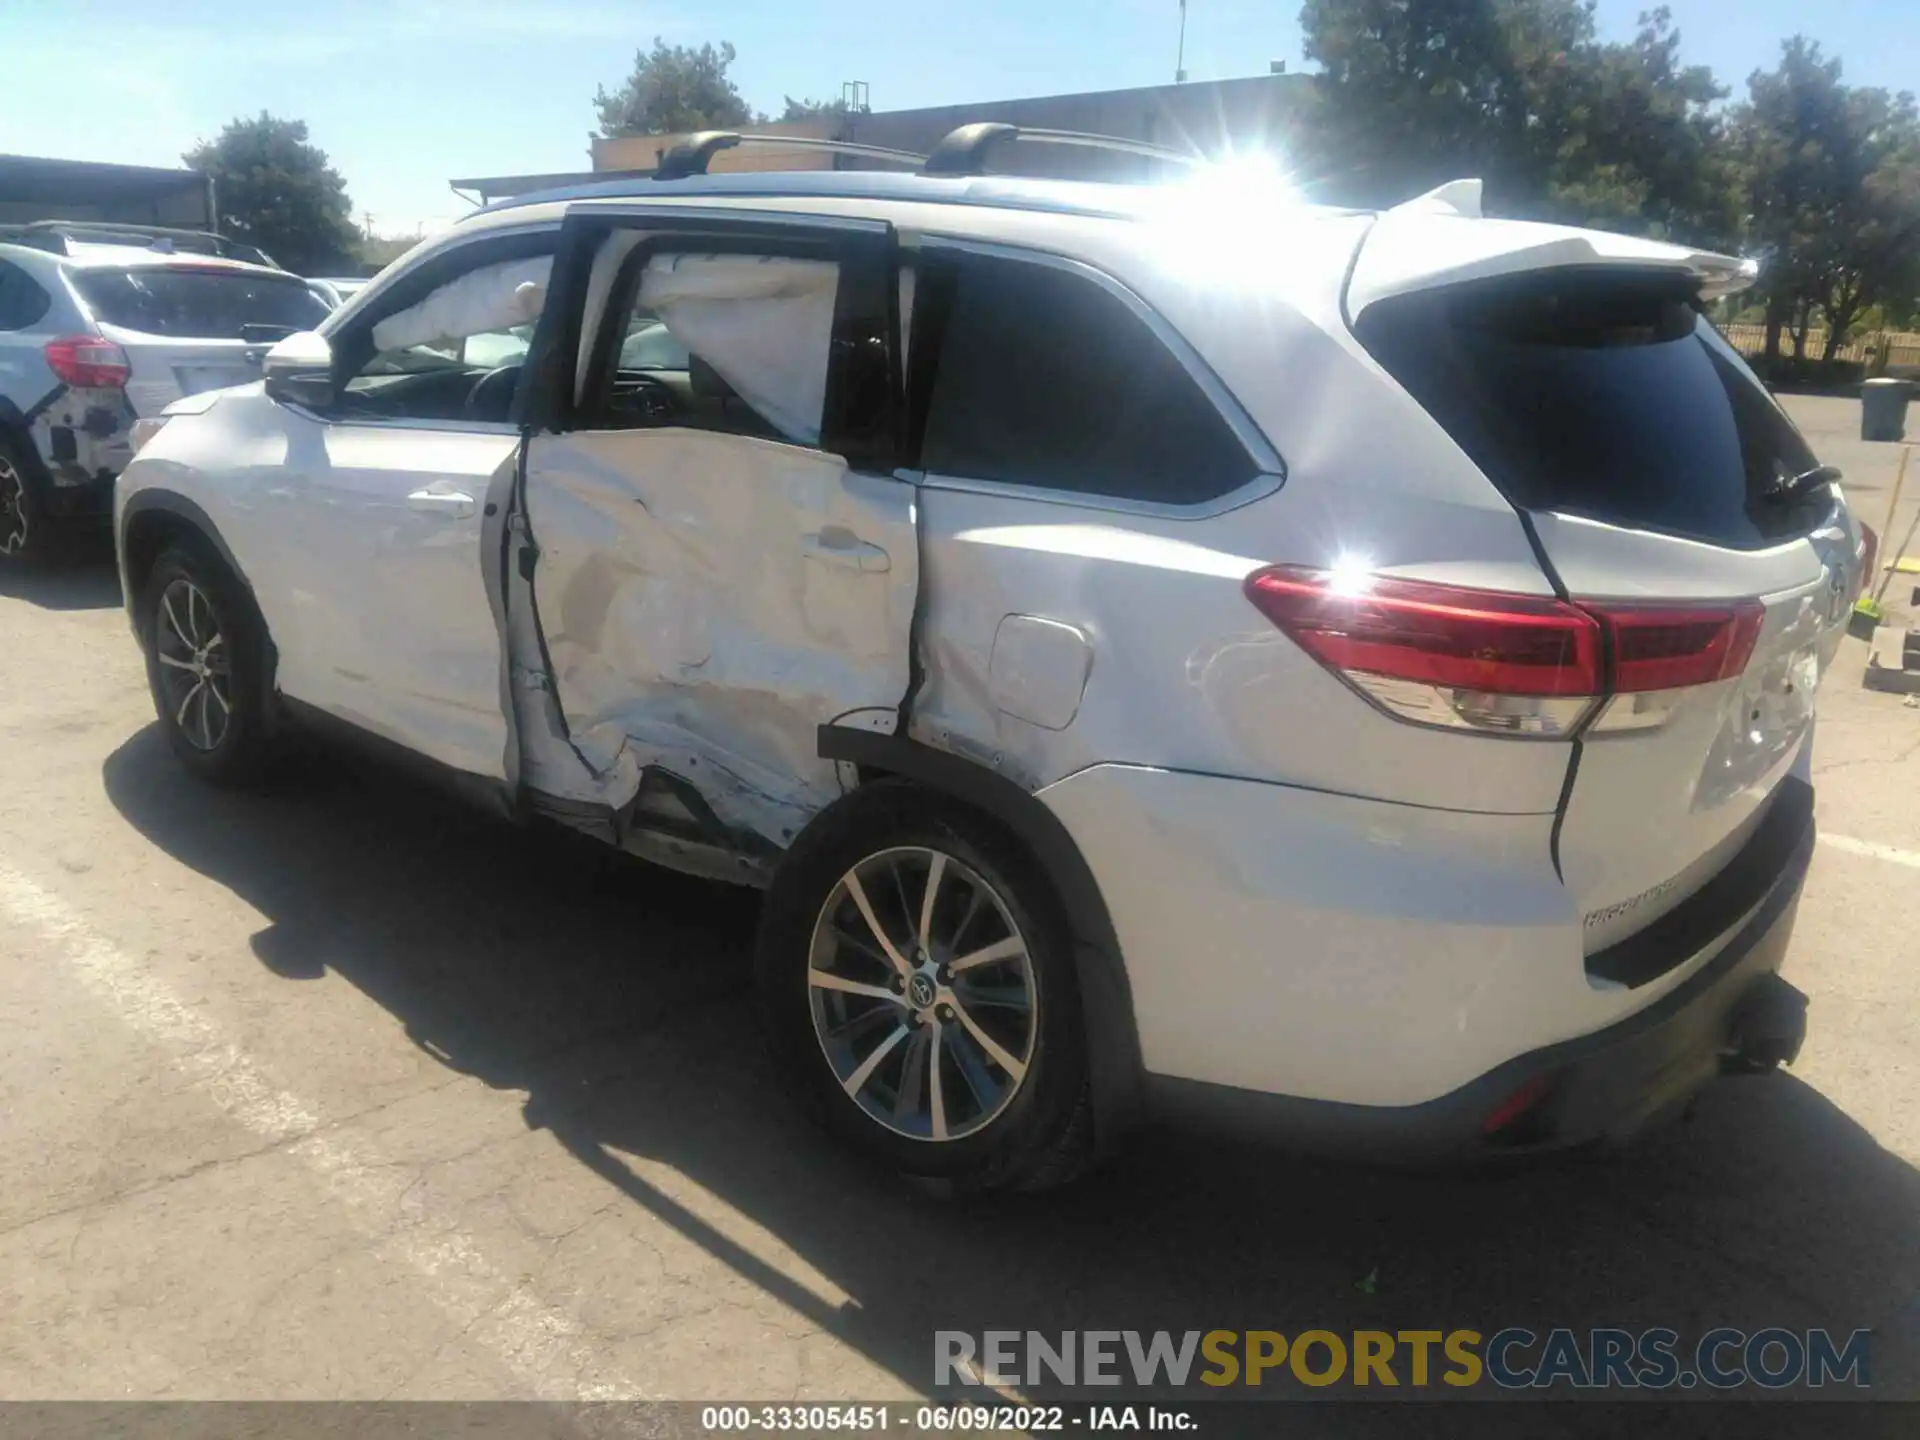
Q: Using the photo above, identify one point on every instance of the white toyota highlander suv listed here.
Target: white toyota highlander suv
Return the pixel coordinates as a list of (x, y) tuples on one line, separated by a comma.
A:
[(1159, 648)]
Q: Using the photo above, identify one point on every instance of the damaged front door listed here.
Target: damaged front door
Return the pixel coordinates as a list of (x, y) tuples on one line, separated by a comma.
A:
[(720, 558)]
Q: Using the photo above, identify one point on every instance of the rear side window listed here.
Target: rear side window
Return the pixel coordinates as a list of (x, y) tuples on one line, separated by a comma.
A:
[(1600, 395), (1034, 375), (22, 301), (184, 303)]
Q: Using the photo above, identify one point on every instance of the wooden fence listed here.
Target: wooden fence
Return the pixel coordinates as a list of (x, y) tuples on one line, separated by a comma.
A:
[(1902, 348)]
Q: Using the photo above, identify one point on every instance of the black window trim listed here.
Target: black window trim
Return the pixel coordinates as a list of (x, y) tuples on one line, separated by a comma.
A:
[(27, 277), (1270, 469)]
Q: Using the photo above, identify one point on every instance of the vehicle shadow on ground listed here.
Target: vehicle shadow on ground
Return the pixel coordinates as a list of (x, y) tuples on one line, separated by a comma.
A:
[(80, 577), (615, 996)]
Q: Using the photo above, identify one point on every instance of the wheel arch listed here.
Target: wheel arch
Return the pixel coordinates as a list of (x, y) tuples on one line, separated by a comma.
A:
[(149, 519), (152, 519), (16, 425), (1106, 997)]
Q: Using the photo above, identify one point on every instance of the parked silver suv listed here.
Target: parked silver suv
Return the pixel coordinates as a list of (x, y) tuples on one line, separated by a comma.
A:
[(1163, 646), (99, 326)]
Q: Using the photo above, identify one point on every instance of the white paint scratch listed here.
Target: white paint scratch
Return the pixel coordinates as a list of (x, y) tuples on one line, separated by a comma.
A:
[(540, 1346)]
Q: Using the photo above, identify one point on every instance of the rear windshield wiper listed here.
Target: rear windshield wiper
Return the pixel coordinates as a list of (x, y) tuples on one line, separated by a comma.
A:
[(1798, 487)]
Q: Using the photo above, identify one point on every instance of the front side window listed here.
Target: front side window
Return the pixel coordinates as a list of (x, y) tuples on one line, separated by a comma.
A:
[(1036, 375), (184, 302), (453, 354)]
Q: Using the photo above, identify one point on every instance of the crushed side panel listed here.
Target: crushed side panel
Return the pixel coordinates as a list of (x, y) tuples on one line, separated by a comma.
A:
[(700, 620)]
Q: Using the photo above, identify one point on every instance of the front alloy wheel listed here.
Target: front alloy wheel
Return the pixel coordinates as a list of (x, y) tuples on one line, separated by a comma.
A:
[(195, 679), (206, 665)]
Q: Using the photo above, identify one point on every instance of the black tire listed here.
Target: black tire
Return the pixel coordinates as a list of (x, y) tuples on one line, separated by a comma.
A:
[(1042, 1133), (211, 700), (26, 534)]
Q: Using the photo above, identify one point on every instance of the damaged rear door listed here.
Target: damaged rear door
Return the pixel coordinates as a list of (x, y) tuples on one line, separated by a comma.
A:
[(714, 551)]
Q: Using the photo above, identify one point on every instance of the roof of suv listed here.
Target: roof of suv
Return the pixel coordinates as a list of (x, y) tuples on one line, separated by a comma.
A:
[(1432, 239), (121, 257), (1007, 192)]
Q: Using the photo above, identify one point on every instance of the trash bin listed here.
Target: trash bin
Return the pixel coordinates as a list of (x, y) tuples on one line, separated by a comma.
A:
[(1883, 409)]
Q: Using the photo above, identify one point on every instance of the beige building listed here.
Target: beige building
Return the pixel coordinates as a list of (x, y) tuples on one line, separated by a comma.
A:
[(629, 153), (1259, 112)]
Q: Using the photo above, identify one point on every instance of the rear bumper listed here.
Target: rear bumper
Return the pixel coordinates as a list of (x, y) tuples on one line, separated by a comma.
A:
[(1735, 1014), (90, 499), (1604, 1087), (1382, 980)]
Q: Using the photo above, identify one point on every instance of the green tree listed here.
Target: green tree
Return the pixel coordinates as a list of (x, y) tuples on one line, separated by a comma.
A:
[(1642, 146), (673, 89), (278, 192), (813, 109), (1831, 182), (1522, 94), (1416, 93)]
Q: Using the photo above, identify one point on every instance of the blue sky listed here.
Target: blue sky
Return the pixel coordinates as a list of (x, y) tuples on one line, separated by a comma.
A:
[(404, 94)]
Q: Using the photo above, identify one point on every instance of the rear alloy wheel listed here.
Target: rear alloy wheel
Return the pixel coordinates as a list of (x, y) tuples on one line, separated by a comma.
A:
[(22, 527), (205, 665), (923, 998), (917, 989)]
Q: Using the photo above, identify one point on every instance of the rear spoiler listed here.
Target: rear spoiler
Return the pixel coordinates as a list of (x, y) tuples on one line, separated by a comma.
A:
[(1441, 238)]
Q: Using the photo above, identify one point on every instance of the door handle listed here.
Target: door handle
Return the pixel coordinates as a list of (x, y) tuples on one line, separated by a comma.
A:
[(453, 504), (837, 545)]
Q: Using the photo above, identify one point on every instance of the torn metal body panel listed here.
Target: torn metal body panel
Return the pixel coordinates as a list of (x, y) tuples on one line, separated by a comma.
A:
[(82, 437), (705, 602)]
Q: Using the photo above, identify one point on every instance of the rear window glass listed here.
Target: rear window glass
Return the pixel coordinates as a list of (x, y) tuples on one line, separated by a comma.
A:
[(200, 304), (1605, 396)]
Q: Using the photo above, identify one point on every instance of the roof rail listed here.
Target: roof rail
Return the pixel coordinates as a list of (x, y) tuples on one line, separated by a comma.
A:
[(57, 236), (965, 150), (692, 155)]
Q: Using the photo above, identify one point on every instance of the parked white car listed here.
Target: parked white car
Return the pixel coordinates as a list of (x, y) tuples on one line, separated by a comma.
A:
[(1157, 647), (97, 331)]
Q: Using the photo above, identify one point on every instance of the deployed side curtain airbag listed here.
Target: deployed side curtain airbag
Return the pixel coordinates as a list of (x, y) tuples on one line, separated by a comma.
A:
[(494, 297), (765, 324)]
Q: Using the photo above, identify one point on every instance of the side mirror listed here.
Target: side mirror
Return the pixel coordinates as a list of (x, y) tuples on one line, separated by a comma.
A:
[(299, 371)]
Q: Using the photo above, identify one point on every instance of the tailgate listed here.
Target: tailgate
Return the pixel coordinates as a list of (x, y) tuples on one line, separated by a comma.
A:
[(193, 327), (1669, 783), (1672, 499), (161, 371)]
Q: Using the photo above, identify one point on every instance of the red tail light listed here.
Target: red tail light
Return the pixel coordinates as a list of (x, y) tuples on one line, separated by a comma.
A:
[(1439, 634), (1507, 664), (87, 362), (1665, 647)]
